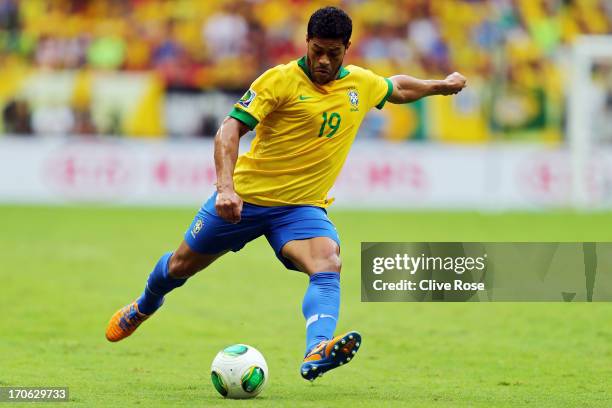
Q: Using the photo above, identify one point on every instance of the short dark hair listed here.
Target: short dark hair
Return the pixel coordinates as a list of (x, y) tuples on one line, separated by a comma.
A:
[(330, 22)]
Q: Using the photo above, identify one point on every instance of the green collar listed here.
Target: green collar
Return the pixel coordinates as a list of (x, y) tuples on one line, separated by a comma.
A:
[(342, 72)]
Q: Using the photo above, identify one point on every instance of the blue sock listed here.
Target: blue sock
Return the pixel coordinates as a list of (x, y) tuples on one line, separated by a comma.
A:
[(158, 284), (320, 307)]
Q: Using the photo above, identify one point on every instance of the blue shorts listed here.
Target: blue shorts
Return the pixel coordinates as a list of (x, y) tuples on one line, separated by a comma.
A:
[(210, 234)]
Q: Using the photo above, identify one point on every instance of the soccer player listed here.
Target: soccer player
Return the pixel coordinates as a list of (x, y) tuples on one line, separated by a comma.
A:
[(306, 115)]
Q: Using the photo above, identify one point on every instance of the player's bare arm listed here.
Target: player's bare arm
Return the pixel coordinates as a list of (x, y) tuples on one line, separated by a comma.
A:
[(227, 139), (409, 89)]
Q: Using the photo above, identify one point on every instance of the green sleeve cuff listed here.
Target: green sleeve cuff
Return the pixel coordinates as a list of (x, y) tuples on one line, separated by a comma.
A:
[(389, 92), (244, 117)]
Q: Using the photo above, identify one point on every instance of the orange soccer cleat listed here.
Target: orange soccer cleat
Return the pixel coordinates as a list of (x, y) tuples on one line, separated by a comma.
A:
[(330, 354), (124, 322)]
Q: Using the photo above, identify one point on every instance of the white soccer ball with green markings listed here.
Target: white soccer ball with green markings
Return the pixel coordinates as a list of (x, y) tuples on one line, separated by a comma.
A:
[(239, 371)]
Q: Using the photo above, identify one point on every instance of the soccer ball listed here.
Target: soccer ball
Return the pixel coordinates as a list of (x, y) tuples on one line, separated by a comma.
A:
[(239, 371)]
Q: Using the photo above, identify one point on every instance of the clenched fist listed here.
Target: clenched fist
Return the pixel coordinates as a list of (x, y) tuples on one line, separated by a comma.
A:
[(453, 84), (229, 206)]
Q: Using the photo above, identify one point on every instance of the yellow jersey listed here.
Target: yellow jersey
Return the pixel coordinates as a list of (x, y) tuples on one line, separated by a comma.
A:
[(304, 132)]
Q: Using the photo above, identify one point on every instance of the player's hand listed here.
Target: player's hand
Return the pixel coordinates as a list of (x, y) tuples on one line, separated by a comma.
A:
[(454, 83), (229, 206)]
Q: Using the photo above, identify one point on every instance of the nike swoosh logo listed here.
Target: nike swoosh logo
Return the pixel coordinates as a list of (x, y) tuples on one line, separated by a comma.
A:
[(303, 98)]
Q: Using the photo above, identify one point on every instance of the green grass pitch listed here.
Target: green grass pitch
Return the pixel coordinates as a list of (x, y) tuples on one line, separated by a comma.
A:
[(65, 270)]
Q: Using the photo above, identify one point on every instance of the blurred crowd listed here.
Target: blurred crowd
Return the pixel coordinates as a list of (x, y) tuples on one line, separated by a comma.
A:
[(225, 44), (201, 44)]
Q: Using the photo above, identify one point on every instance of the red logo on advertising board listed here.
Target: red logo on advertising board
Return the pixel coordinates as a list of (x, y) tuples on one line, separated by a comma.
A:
[(393, 176), (545, 177), (90, 171), (184, 174)]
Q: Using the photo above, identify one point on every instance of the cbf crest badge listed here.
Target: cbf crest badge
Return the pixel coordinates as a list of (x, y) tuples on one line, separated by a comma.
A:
[(354, 99), (197, 228)]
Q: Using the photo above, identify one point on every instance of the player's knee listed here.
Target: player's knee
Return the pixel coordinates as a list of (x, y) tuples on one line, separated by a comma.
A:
[(337, 263), (180, 267), (330, 262)]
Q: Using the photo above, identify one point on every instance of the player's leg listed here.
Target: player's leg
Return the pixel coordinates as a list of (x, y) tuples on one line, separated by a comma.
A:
[(319, 258), (171, 271), (305, 240), (208, 237)]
